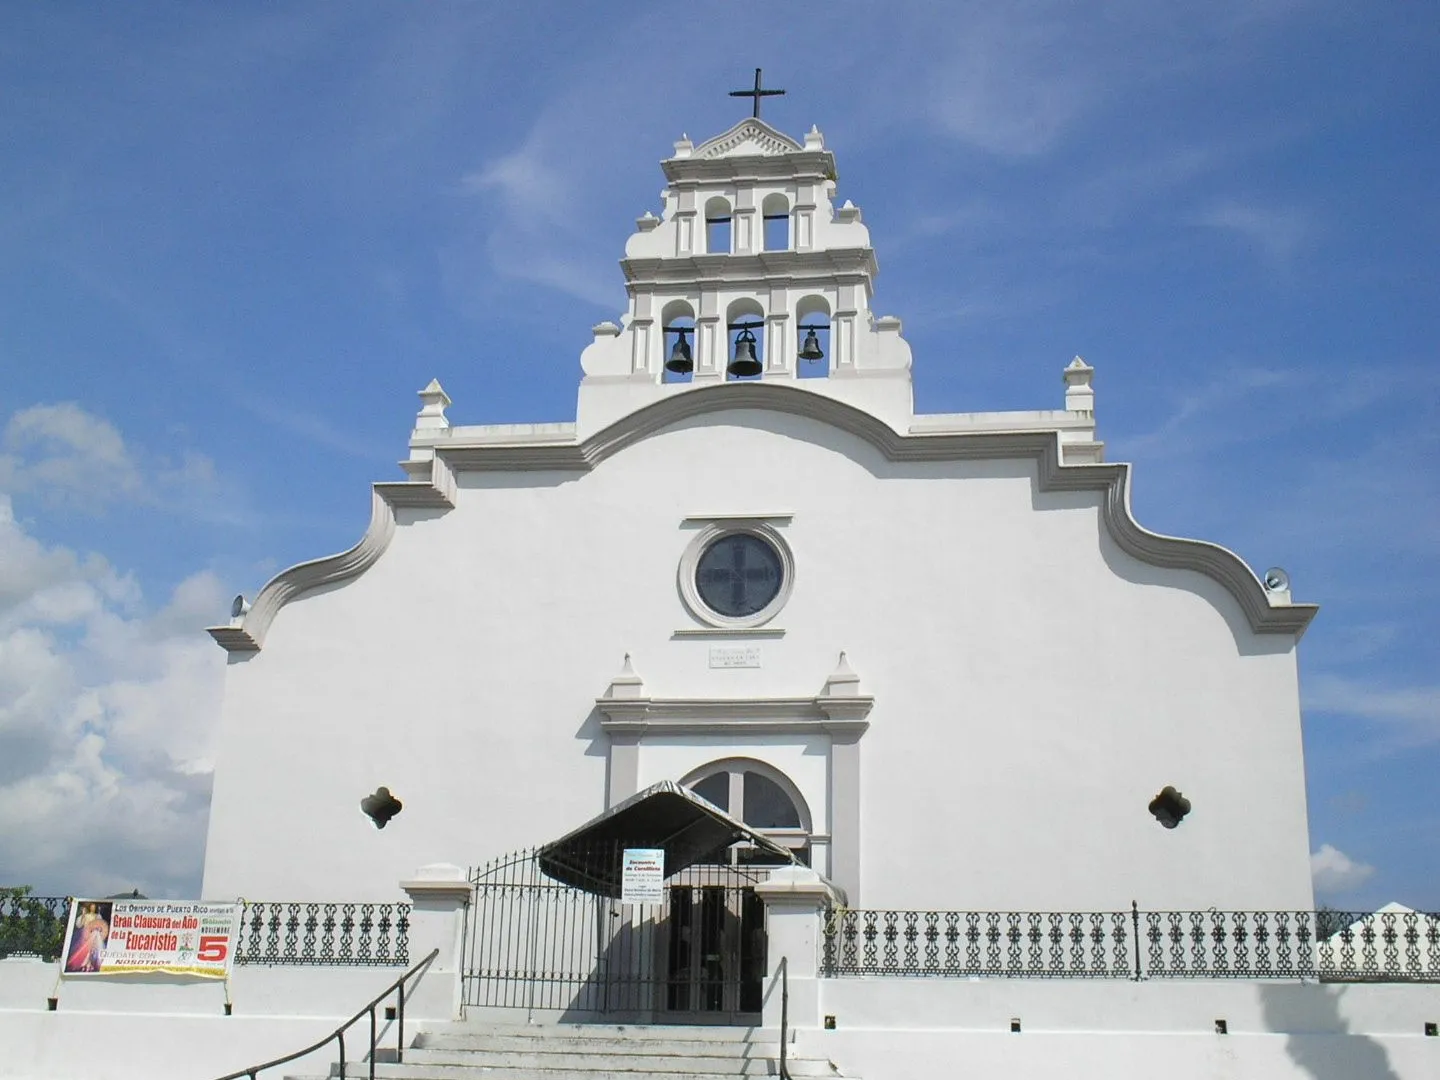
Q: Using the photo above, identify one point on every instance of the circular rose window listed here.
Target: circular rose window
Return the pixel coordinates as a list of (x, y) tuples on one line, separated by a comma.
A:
[(736, 576), (739, 575)]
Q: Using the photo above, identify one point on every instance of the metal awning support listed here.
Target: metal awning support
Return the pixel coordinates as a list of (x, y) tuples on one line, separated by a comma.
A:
[(664, 815)]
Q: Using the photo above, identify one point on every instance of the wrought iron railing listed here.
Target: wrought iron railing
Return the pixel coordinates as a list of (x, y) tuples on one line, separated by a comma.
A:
[(1332, 946), (372, 1052), (32, 925), (285, 933), (1012, 943), (784, 1018), (1329, 946)]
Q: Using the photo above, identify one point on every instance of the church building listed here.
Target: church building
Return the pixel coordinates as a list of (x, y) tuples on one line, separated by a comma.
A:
[(751, 723), (932, 656)]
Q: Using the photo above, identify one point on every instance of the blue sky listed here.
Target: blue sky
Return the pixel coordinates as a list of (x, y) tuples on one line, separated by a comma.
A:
[(235, 239)]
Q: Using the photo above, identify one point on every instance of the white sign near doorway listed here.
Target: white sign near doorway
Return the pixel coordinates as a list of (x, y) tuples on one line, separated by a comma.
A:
[(642, 876)]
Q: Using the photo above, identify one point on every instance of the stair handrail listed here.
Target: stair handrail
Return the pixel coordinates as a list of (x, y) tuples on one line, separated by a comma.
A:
[(398, 986), (784, 1015)]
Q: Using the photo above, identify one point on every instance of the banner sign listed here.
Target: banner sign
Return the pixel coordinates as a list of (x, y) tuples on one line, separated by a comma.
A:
[(126, 937), (642, 876)]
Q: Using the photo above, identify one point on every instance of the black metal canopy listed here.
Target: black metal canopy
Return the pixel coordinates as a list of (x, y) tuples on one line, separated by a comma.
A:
[(664, 815)]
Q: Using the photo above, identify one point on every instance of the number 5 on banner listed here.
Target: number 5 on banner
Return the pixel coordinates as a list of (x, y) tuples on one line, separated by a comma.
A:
[(213, 948)]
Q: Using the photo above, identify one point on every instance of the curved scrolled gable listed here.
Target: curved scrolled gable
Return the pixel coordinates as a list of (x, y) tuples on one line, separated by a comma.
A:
[(1168, 552)]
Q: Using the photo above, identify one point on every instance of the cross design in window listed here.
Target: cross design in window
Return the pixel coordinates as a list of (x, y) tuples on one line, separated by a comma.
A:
[(738, 575)]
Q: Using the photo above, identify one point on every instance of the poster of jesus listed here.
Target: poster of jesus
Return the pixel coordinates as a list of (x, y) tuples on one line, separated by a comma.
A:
[(89, 931)]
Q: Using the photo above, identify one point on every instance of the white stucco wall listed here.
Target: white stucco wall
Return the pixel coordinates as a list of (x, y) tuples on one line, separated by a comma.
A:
[(1034, 686), (154, 1027), (894, 1028)]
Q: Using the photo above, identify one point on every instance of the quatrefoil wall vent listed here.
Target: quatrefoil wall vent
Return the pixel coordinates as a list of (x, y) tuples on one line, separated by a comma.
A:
[(381, 807), (1169, 807)]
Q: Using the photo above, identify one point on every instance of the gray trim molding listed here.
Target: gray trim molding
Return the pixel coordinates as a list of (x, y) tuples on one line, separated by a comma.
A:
[(825, 713), (1265, 612), (247, 633)]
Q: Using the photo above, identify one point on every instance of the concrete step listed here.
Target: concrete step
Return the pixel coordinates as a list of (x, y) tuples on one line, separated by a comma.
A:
[(529, 1039), (687, 1032), (583, 1062), (504, 1072), (582, 1058), (498, 1051)]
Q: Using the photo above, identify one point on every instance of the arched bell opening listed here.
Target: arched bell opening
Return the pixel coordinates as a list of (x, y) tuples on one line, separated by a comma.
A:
[(677, 322), (745, 325), (812, 338), (775, 221), (717, 226)]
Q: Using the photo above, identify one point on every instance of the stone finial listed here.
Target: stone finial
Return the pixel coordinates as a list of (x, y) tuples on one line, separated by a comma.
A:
[(847, 213), (646, 222), (1079, 393), (813, 139), (684, 148), (626, 685), (432, 410), (842, 682), (606, 329)]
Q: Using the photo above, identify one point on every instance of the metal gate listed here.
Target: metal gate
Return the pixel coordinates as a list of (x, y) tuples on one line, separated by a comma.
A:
[(535, 943)]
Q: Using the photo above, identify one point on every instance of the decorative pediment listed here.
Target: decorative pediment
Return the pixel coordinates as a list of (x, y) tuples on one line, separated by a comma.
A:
[(749, 138)]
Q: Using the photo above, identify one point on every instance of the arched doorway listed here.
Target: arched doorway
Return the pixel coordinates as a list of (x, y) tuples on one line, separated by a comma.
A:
[(717, 944)]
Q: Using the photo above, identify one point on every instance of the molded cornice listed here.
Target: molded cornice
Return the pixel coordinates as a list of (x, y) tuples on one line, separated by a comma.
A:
[(247, 634), (726, 716), (843, 265), (453, 455)]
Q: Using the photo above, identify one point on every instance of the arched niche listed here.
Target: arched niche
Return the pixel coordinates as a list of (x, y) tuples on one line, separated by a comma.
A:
[(740, 315), (677, 321), (812, 311), (775, 222), (717, 225)]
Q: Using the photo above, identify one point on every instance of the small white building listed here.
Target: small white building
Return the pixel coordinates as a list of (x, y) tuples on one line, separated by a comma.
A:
[(934, 654)]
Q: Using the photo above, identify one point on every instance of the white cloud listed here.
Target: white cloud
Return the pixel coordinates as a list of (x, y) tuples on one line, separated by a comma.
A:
[(1335, 872), (67, 456), (63, 452), (1409, 714), (1008, 82), (1277, 232), (1203, 414), (106, 723), (526, 182)]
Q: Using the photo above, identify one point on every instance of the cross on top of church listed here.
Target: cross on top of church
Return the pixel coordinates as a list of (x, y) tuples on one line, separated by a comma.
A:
[(756, 94)]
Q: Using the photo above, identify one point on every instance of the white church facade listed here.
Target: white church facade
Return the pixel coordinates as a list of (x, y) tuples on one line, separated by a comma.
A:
[(935, 653), (954, 766)]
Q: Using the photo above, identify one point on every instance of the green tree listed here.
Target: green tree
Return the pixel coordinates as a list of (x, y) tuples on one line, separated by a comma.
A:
[(29, 925)]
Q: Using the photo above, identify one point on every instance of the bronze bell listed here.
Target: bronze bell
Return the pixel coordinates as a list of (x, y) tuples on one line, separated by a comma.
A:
[(810, 348), (744, 362), (680, 360)]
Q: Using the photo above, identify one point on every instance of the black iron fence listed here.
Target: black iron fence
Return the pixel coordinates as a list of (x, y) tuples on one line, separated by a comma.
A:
[(32, 925), (305, 933), (1329, 946), (270, 933), (536, 942), (1011, 943)]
